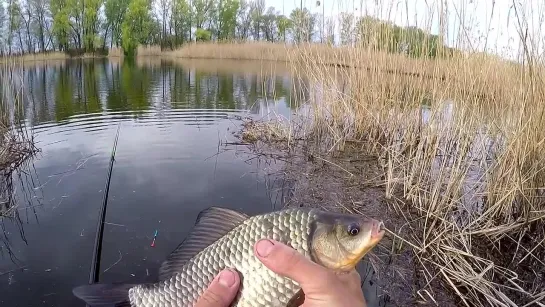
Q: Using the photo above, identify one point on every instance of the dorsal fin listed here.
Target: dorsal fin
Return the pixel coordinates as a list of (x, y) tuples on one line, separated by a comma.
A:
[(211, 224)]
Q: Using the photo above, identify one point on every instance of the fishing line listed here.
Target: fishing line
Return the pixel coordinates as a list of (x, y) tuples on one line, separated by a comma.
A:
[(95, 264)]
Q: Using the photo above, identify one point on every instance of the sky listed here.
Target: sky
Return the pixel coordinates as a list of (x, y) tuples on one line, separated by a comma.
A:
[(490, 25)]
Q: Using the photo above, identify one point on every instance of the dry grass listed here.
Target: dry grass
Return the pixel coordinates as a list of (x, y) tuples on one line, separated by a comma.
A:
[(16, 143), (115, 52), (44, 57), (149, 51), (50, 56), (262, 51), (268, 68), (460, 142)]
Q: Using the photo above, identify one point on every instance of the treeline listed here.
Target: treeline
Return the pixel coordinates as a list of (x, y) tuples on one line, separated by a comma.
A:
[(79, 26)]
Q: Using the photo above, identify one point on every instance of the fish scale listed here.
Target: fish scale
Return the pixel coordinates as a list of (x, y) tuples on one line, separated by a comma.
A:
[(235, 250)]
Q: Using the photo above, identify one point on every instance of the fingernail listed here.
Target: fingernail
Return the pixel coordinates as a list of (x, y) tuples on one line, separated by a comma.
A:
[(227, 278), (264, 248)]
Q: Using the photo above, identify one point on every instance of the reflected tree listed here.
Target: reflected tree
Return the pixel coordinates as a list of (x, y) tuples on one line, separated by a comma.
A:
[(64, 106)]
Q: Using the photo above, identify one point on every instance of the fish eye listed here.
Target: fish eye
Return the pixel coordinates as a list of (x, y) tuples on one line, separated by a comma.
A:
[(353, 229)]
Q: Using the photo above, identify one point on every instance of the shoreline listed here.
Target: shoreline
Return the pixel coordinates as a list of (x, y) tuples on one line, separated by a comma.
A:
[(352, 181), (406, 272)]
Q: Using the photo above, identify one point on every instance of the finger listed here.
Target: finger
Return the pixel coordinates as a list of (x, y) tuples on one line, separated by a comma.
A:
[(221, 291), (288, 262)]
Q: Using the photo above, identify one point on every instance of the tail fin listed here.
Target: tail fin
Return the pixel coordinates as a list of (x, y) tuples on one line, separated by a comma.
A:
[(104, 294)]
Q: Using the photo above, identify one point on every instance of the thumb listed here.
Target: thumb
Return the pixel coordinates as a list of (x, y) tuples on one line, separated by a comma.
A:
[(288, 262), (222, 290)]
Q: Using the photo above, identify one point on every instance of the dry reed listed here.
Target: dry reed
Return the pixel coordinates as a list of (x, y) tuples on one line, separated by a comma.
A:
[(149, 50), (115, 52), (16, 143), (459, 141), (35, 57), (262, 51)]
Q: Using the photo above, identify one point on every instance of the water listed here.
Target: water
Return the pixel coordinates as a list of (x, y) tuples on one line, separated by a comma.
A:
[(173, 121), (173, 160)]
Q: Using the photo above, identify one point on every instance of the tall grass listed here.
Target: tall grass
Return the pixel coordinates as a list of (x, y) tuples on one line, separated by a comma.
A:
[(49, 56), (149, 50), (233, 51), (460, 140), (16, 142), (115, 52)]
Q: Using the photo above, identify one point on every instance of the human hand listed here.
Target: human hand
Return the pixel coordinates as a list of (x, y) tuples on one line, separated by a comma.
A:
[(222, 290), (322, 287)]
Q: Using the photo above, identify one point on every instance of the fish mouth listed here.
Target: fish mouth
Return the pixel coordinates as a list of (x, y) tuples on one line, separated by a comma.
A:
[(378, 230)]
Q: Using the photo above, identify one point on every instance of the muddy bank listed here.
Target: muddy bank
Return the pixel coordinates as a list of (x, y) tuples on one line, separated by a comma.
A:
[(352, 181)]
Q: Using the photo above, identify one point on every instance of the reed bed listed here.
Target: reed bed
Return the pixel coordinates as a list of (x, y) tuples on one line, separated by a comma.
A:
[(262, 51), (460, 143), (47, 57), (35, 57), (149, 50), (115, 52), (16, 142)]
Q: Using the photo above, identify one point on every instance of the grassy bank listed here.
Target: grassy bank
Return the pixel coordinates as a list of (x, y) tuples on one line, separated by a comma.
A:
[(459, 141)]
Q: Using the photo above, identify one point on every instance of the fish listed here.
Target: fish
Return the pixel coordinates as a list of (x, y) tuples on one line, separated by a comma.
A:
[(224, 238)]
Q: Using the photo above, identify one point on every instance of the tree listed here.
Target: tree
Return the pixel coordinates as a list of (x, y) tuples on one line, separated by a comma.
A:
[(382, 35), (269, 26), (165, 9), (347, 28), (202, 35), (90, 22), (257, 9), (40, 13), (244, 20), (181, 21), (137, 26), (330, 31), (227, 18), (303, 25), (75, 14), (14, 24), (61, 22), (2, 21), (202, 10), (114, 11), (284, 24), (26, 20)]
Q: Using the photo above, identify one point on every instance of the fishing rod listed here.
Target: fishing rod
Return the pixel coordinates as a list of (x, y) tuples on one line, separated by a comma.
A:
[(95, 264)]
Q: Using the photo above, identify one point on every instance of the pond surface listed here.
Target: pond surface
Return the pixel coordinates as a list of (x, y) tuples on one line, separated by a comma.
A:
[(173, 159), (173, 121)]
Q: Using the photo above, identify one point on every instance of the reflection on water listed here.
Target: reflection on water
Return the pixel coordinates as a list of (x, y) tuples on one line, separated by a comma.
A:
[(55, 94), (173, 121)]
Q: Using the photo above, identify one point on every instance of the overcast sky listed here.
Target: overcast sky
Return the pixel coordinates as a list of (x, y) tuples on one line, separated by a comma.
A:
[(500, 28)]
